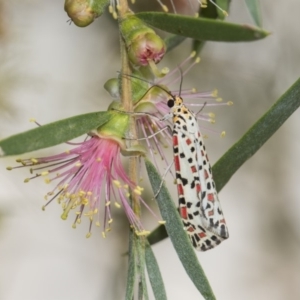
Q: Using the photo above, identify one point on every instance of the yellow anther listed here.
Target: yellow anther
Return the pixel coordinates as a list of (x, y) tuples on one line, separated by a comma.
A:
[(47, 180), (110, 221), (126, 186), (196, 15), (98, 159), (165, 8), (26, 180), (88, 235), (212, 121), (78, 221), (77, 212), (229, 103), (117, 183), (214, 93), (132, 1), (115, 16), (162, 222), (127, 195), (9, 168), (43, 207), (67, 152), (197, 60), (98, 224), (34, 160), (89, 193), (45, 173), (211, 115), (165, 71), (110, 9), (107, 203), (74, 225), (118, 6), (137, 191), (223, 133), (193, 54), (103, 234), (95, 211), (117, 205), (219, 99), (78, 164), (32, 120)]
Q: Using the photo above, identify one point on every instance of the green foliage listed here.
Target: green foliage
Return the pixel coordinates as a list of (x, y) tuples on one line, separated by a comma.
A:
[(52, 134), (203, 29)]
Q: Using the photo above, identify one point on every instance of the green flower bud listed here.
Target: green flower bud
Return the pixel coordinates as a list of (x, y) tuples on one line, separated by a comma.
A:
[(84, 12), (112, 87), (143, 44)]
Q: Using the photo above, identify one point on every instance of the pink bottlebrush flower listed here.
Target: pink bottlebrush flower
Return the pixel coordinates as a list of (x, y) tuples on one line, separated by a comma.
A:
[(154, 102), (89, 178)]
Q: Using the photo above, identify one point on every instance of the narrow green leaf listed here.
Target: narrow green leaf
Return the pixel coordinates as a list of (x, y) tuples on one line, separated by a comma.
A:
[(248, 145), (254, 9), (202, 28), (154, 274), (257, 135), (52, 134), (141, 267), (177, 234), (131, 273)]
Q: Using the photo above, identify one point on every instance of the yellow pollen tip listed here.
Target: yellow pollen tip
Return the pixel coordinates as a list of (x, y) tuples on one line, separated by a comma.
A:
[(32, 120), (74, 226), (127, 195), (165, 8), (193, 54), (219, 99), (45, 173), (212, 121), (8, 168), (197, 60), (118, 7), (78, 164), (115, 16), (88, 235), (117, 183), (110, 221), (26, 180), (211, 115), (229, 103), (137, 191), (117, 205), (215, 93), (35, 161), (97, 224), (78, 221), (107, 203), (132, 1), (223, 133), (47, 180), (196, 15), (162, 222), (103, 234), (225, 13), (43, 207), (110, 9), (98, 159)]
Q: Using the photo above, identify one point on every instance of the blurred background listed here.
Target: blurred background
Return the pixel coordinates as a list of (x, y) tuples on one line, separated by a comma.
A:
[(50, 70)]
